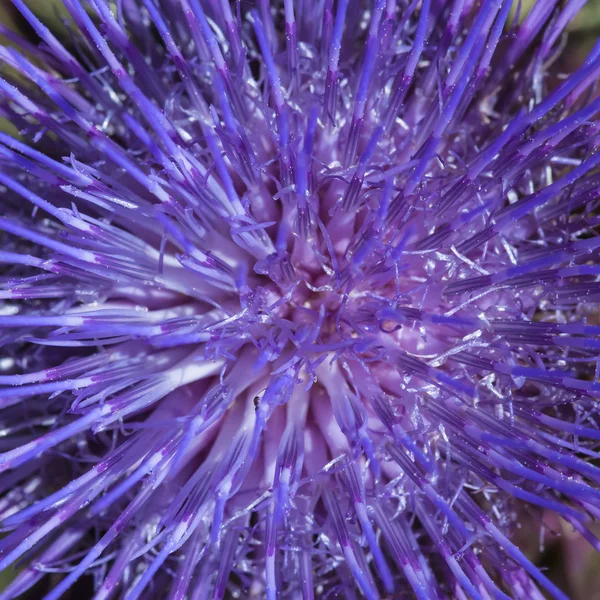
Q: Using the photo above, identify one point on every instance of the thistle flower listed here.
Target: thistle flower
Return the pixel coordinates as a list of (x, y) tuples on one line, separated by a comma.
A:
[(298, 298)]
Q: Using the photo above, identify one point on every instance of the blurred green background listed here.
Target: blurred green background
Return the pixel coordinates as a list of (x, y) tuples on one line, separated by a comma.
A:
[(570, 561)]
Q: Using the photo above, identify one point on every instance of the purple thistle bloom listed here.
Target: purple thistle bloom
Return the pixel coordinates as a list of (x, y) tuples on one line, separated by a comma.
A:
[(298, 298)]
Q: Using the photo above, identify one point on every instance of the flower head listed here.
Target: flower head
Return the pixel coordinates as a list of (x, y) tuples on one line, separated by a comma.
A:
[(298, 298)]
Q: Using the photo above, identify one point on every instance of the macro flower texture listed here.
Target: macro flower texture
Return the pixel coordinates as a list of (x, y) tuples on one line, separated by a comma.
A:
[(299, 299)]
